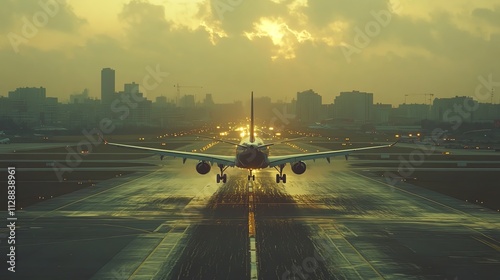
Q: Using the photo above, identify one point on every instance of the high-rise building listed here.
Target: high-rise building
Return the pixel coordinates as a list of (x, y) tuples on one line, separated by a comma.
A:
[(355, 105), (107, 85), (381, 113), (187, 101), (447, 109), (27, 106), (308, 107), (208, 101), (140, 112), (132, 88)]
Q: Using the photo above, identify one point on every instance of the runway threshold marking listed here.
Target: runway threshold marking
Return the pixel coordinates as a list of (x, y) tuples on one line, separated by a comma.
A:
[(87, 197)]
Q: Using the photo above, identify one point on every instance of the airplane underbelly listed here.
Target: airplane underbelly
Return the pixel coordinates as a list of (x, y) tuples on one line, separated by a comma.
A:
[(252, 159)]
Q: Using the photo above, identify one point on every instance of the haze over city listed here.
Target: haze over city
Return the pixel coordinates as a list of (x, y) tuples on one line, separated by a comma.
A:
[(275, 48)]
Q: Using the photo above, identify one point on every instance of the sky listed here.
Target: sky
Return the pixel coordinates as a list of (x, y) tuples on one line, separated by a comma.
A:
[(275, 48)]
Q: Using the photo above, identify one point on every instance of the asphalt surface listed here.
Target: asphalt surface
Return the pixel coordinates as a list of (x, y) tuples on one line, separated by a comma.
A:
[(332, 222)]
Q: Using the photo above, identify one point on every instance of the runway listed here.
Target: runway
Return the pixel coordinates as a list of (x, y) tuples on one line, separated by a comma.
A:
[(333, 222)]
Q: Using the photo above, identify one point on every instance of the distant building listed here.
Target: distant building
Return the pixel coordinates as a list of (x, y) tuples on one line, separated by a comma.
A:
[(4, 106), (221, 112), (107, 86), (412, 113), (79, 97), (161, 100), (381, 113), (327, 111), (27, 106), (447, 109), (84, 114), (308, 107), (263, 109), (140, 112), (51, 111), (486, 112), (187, 101), (208, 102), (356, 106), (132, 88), (162, 112)]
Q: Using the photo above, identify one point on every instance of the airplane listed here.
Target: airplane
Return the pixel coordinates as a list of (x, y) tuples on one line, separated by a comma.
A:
[(251, 154), (5, 141)]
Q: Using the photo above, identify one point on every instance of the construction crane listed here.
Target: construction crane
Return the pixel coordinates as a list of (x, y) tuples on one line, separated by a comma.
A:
[(178, 97), (431, 97)]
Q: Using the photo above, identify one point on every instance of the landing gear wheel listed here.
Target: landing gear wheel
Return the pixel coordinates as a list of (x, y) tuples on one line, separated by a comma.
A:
[(280, 177), (253, 177), (222, 177)]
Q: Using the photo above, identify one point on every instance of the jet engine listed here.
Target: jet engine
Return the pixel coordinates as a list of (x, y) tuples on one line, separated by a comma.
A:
[(203, 167), (299, 167)]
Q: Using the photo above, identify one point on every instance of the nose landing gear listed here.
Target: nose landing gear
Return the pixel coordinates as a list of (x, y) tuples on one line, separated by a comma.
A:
[(251, 176)]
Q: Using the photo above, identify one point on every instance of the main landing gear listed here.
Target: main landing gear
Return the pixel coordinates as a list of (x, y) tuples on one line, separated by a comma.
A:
[(251, 176), (222, 177), (280, 177)]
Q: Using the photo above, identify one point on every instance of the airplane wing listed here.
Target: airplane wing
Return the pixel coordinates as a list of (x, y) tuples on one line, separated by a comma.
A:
[(278, 160), (218, 159)]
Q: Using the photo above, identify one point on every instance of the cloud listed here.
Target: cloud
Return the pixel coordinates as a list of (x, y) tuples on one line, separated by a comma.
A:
[(58, 14), (491, 16), (274, 47)]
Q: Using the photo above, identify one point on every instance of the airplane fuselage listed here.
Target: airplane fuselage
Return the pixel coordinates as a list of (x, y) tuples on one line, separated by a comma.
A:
[(252, 157)]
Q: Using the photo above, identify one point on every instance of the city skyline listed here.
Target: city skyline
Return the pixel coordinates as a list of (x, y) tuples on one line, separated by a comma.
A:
[(272, 47), (31, 107)]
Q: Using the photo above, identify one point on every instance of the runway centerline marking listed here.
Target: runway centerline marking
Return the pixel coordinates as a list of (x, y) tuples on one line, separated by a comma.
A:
[(254, 273)]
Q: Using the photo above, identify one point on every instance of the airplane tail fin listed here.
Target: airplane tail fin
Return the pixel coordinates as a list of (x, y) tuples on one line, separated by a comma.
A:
[(252, 136)]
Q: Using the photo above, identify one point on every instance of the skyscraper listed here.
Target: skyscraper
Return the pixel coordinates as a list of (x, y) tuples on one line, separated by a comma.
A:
[(107, 85), (308, 106), (355, 105)]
